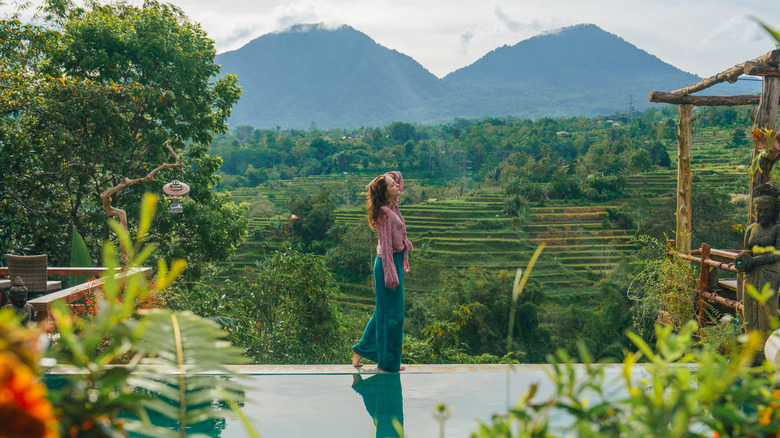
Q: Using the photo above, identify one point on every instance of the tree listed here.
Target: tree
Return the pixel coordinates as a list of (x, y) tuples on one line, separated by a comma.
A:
[(293, 299), (314, 217), (738, 138), (353, 256), (92, 102), (658, 154), (401, 132), (639, 161)]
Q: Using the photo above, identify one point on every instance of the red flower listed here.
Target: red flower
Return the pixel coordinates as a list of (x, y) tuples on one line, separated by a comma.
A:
[(24, 408)]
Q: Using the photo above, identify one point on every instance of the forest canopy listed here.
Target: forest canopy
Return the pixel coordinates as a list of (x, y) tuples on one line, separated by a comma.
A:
[(89, 97)]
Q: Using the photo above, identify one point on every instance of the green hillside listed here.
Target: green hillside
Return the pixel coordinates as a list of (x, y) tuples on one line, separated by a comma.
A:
[(584, 240)]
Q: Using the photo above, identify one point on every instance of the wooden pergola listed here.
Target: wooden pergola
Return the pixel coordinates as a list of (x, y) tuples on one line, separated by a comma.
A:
[(763, 117)]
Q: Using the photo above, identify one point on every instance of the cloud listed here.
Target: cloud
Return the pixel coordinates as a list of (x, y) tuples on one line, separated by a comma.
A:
[(287, 15), (465, 39), (239, 34), (735, 28), (506, 20), (308, 12)]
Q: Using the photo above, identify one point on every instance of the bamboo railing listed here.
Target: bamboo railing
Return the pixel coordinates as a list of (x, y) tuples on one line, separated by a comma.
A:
[(710, 261)]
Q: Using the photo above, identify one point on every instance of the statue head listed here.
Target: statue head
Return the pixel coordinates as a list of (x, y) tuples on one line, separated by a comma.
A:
[(18, 296), (18, 293), (765, 199)]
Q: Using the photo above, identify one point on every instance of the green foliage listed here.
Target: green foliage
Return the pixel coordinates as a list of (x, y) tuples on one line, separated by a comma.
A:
[(713, 219), (633, 213), (469, 316), (90, 401), (686, 391), (285, 313), (662, 290), (352, 257), (598, 323), (604, 188), (92, 103), (315, 217), (194, 347), (639, 161), (739, 138), (79, 257)]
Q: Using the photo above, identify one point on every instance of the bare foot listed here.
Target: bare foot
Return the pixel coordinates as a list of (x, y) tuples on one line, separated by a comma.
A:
[(385, 371), (356, 360)]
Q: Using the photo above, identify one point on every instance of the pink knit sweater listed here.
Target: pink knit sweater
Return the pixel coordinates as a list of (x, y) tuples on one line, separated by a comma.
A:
[(391, 229)]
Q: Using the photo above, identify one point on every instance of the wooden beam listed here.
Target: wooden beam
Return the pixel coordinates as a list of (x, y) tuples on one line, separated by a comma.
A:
[(42, 304), (684, 179), (685, 99), (722, 300), (65, 271), (709, 262), (761, 69), (731, 74)]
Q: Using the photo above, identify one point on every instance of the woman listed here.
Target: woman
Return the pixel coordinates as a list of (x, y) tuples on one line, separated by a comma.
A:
[(381, 341), (761, 269)]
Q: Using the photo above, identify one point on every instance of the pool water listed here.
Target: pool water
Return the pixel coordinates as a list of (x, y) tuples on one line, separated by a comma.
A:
[(346, 405), (338, 401)]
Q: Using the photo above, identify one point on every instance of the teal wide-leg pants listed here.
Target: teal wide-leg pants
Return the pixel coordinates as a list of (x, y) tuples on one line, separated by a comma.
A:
[(383, 397), (383, 336)]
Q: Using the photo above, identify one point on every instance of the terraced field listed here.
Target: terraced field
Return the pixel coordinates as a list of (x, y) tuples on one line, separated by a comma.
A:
[(474, 232), (580, 238), (581, 245)]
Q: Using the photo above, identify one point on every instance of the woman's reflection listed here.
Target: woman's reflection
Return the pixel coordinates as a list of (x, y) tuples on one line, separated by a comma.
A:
[(384, 401)]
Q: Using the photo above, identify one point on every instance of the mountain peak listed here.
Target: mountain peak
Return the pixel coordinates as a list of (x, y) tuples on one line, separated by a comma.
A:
[(313, 27), (334, 76), (572, 28), (338, 77), (585, 52)]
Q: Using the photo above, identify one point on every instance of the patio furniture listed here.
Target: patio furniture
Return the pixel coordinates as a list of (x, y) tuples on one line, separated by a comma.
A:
[(33, 271)]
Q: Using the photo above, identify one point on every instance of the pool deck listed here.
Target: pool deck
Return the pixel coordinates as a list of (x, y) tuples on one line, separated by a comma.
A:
[(366, 369), (371, 369)]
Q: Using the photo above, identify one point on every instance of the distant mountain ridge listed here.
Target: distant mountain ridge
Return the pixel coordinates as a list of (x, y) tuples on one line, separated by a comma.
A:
[(341, 78)]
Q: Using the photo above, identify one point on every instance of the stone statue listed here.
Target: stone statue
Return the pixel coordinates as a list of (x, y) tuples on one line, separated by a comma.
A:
[(761, 269), (18, 298)]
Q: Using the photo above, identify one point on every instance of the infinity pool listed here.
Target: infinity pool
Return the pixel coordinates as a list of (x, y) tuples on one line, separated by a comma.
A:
[(321, 401), (340, 401)]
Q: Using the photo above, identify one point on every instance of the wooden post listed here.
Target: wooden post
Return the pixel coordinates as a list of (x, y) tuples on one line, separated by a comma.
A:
[(704, 280), (684, 179), (764, 116)]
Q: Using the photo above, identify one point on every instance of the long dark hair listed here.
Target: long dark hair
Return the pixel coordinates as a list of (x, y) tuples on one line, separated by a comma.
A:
[(375, 199)]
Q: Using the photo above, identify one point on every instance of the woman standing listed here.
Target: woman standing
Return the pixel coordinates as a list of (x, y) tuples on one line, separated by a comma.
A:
[(382, 338)]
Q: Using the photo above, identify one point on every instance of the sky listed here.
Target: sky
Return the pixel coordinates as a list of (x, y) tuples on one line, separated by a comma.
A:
[(703, 37)]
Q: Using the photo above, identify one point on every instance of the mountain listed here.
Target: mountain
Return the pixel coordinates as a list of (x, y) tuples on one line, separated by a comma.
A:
[(334, 78), (341, 78), (580, 70)]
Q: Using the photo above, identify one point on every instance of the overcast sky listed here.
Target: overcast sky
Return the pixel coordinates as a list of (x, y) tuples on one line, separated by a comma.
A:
[(703, 37)]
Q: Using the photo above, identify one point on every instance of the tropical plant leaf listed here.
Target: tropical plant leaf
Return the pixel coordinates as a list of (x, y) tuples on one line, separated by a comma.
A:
[(772, 31), (79, 257), (187, 354)]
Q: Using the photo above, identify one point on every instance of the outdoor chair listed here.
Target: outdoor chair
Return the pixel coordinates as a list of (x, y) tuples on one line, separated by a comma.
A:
[(33, 270)]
